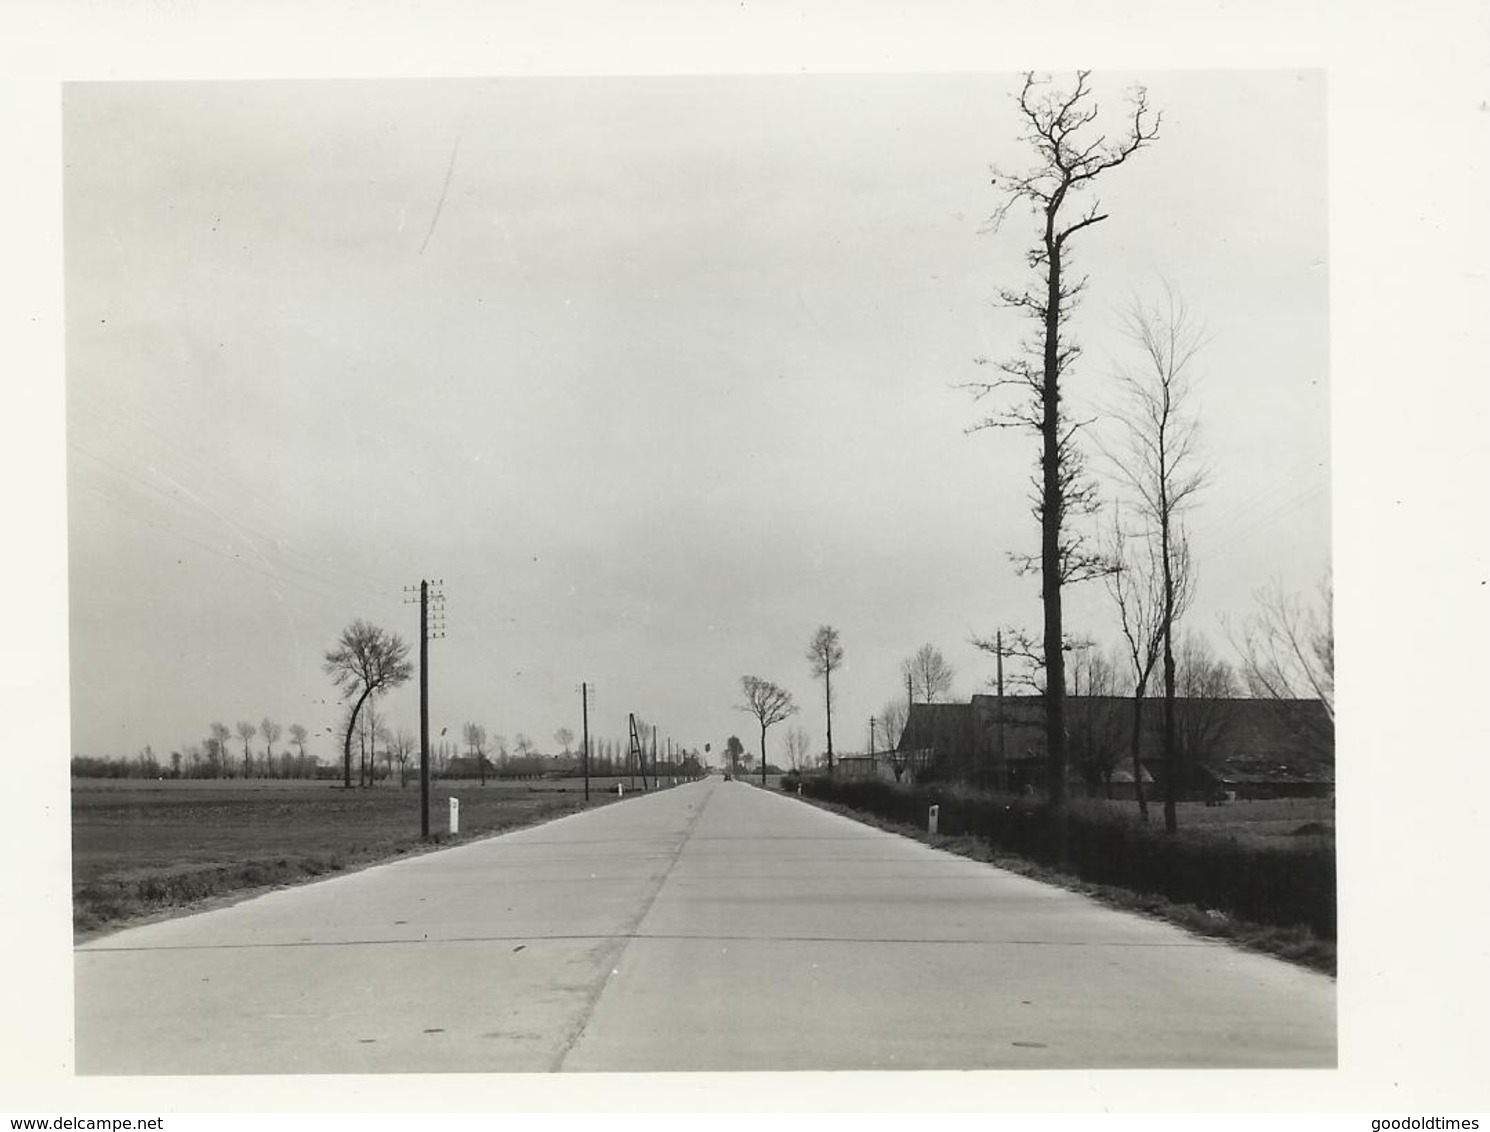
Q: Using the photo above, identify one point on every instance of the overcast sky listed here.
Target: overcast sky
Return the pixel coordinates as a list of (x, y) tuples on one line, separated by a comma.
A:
[(657, 375)]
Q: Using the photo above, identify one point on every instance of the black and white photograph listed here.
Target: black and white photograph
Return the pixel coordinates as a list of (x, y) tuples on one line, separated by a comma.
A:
[(819, 572), (402, 413)]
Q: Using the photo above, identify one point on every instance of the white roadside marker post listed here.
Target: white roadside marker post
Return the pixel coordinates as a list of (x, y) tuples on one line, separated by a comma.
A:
[(454, 816), (931, 819)]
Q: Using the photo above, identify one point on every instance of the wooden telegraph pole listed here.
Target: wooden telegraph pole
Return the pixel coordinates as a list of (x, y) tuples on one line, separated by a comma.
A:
[(584, 695), (427, 630)]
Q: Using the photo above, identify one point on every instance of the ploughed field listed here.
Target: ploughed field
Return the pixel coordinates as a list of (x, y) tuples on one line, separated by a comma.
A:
[(144, 847)]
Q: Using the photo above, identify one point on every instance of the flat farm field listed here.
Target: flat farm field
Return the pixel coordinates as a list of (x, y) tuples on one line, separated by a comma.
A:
[(143, 848), (1278, 823)]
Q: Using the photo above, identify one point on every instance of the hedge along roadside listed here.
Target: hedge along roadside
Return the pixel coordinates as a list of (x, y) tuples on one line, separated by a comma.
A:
[(1281, 886)]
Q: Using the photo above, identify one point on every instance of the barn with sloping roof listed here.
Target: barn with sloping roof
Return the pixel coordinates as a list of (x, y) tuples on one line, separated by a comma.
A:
[(1247, 748)]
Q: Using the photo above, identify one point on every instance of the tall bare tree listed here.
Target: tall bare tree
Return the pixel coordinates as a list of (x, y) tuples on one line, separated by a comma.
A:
[(401, 746), (769, 703), (366, 659), (217, 749), (475, 737), (1058, 126), (825, 654), (929, 674), (1158, 461), (797, 744), (565, 738), (298, 735), (271, 732), (1137, 590), (246, 731)]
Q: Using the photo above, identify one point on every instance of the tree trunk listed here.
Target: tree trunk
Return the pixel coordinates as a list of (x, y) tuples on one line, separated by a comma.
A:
[(346, 750), (828, 692), (1051, 505), (1143, 805), (1171, 785)]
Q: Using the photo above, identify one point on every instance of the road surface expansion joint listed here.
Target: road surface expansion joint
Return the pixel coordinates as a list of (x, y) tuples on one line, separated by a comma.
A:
[(623, 939)]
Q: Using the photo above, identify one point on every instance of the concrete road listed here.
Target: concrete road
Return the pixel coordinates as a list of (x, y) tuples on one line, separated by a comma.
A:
[(714, 926)]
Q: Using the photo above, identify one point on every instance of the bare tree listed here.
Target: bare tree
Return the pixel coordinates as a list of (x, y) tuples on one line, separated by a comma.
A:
[(217, 749), (1158, 462), (401, 746), (1137, 590), (1287, 646), (769, 704), (247, 731), (797, 744), (366, 659), (1095, 722), (929, 674), (565, 738), (271, 732), (1067, 162), (825, 654), (475, 737), (894, 716), (1207, 687), (298, 735), (1028, 653)]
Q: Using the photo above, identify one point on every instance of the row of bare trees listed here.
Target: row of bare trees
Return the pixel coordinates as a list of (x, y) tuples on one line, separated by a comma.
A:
[(217, 755), (1154, 458)]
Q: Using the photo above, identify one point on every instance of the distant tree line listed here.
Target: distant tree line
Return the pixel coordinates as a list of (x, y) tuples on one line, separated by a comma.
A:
[(216, 756)]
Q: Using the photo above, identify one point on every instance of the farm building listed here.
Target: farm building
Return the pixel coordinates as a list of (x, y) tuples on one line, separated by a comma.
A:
[(467, 766), (1242, 748), (863, 766)]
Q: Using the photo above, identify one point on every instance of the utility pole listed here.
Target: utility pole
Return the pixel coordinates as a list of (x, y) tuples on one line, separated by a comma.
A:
[(427, 630), (910, 692), (584, 696), (656, 782), (872, 722)]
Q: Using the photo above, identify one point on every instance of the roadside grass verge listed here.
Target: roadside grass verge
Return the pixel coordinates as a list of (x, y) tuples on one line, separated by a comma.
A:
[(152, 849), (1296, 942)]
